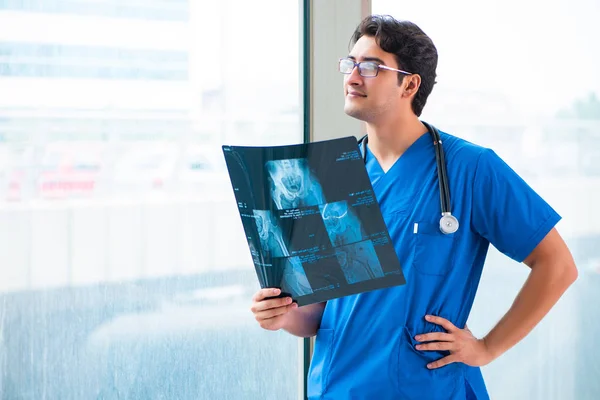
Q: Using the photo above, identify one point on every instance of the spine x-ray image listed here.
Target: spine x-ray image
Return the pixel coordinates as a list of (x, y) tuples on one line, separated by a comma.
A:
[(342, 224), (269, 233), (359, 262), (293, 185)]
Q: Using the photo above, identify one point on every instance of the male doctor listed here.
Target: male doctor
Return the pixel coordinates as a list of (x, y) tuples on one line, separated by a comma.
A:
[(411, 341)]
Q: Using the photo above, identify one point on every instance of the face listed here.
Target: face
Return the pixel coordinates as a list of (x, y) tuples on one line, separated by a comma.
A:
[(370, 99)]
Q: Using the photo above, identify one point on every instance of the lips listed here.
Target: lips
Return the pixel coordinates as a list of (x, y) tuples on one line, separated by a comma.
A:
[(357, 94)]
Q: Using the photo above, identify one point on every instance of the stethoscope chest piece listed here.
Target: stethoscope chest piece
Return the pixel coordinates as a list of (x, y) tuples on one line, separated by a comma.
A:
[(448, 223)]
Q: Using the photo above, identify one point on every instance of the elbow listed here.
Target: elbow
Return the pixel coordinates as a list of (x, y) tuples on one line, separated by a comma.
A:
[(559, 275), (571, 274), (566, 275)]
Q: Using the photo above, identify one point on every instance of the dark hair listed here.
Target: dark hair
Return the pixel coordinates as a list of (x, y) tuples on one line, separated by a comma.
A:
[(413, 49)]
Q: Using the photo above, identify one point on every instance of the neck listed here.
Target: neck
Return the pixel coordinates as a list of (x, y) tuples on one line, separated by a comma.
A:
[(388, 140)]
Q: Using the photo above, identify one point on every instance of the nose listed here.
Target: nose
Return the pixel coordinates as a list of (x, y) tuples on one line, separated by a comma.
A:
[(354, 77)]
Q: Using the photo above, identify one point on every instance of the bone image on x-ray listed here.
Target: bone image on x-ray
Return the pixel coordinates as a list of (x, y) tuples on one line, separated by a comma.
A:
[(342, 225), (293, 185), (295, 281), (359, 262), (269, 233)]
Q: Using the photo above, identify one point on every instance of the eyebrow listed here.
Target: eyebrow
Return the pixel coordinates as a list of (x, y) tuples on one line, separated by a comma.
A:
[(379, 60)]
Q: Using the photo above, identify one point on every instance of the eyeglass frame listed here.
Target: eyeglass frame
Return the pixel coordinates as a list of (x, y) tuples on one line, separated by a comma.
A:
[(357, 64)]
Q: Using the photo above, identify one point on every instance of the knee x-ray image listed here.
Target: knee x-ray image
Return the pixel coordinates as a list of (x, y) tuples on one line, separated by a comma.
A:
[(269, 233), (359, 262), (343, 226), (293, 185), (295, 281)]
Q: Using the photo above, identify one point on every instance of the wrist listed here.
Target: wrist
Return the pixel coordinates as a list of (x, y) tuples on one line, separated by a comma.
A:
[(491, 352)]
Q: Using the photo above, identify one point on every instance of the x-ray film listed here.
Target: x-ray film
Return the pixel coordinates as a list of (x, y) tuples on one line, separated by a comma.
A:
[(313, 225)]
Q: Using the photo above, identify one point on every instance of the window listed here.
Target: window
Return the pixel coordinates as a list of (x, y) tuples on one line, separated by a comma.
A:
[(521, 78), (124, 271), (65, 61), (130, 9)]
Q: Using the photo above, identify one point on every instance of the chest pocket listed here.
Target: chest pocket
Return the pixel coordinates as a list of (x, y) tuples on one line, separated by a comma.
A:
[(434, 250)]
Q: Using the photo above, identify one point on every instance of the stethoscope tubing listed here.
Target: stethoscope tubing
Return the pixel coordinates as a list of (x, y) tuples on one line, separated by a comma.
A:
[(448, 223)]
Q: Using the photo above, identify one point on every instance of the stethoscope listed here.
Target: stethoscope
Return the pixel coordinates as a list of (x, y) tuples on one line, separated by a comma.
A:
[(448, 222)]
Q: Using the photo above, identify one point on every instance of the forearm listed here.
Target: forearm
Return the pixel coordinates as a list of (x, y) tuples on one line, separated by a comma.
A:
[(543, 288), (304, 321)]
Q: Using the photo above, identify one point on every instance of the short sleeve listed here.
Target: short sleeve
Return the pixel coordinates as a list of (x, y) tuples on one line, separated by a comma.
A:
[(506, 210)]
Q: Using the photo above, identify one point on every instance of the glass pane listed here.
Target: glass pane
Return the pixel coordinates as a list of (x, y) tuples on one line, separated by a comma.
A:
[(124, 270), (526, 84)]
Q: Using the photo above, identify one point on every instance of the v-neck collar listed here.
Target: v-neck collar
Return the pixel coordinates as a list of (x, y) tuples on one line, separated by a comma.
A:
[(375, 170)]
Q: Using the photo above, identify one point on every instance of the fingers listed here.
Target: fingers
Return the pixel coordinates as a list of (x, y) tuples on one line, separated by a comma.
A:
[(273, 324), (436, 346), (264, 305), (268, 310), (272, 308), (435, 336), (264, 293), (442, 361), (274, 313), (443, 322)]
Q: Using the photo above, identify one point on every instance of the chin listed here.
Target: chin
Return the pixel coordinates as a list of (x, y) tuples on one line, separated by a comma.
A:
[(350, 108), (354, 112)]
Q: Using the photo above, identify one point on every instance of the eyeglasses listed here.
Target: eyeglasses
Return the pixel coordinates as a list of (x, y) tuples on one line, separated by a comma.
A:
[(367, 69)]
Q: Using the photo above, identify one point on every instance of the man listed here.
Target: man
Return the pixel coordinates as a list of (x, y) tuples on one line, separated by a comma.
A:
[(411, 341)]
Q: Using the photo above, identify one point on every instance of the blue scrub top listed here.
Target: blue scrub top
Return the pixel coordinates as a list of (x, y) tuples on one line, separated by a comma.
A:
[(365, 347)]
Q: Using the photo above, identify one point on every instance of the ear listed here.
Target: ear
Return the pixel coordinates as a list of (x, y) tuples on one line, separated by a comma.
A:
[(411, 84)]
